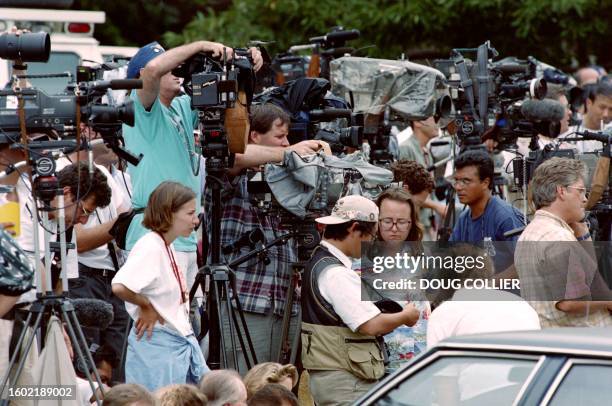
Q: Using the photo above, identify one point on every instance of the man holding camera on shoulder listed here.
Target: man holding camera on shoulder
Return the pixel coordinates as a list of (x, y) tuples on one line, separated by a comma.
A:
[(340, 348)]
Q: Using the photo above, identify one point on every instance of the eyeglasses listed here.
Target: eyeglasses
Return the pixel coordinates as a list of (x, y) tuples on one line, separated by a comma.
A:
[(387, 223), (85, 211), (581, 190), (460, 181)]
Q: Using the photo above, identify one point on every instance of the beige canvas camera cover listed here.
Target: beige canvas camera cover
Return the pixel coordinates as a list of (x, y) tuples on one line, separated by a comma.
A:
[(409, 89)]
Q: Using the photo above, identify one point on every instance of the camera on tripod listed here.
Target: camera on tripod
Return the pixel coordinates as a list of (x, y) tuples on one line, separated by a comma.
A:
[(222, 91), (384, 92), (500, 100)]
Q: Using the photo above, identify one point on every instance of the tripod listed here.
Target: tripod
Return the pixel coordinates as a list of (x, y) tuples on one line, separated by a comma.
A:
[(48, 302)]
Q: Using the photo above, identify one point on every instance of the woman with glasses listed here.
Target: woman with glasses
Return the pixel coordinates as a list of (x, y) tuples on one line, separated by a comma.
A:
[(399, 223)]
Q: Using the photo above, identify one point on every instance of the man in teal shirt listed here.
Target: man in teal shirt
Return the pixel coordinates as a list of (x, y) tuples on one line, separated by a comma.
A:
[(163, 133)]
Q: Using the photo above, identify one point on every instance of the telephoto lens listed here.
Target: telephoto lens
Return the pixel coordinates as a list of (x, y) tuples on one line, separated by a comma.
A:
[(28, 47)]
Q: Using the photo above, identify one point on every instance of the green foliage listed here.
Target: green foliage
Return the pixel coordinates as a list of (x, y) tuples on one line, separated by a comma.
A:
[(555, 31)]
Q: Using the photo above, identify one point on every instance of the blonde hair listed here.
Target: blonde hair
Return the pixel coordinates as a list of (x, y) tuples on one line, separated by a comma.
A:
[(183, 394), (268, 372)]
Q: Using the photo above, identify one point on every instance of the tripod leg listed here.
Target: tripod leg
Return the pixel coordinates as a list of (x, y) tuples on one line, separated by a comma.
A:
[(72, 324), (245, 328), (223, 355), (228, 304), (18, 351), (125, 344), (242, 346)]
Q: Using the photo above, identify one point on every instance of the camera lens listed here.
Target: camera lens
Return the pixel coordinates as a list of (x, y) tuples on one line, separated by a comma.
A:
[(29, 47)]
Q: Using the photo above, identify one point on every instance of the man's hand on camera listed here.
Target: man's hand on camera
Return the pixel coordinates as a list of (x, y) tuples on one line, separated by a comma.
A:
[(216, 49), (308, 147), (257, 58)]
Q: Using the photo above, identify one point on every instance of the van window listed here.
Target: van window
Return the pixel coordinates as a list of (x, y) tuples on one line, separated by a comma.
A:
[(59, 62)]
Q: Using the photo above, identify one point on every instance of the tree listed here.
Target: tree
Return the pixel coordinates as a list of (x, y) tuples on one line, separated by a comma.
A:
[(560, 32)]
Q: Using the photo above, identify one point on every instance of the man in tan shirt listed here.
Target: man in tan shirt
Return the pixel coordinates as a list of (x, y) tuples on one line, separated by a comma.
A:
[(555, 258)]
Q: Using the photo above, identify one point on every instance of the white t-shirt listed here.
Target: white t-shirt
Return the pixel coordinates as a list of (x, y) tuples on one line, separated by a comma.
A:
[(26, 237), (124, 181), (148, 271), (100, 257), (474, 311), (341, 287)]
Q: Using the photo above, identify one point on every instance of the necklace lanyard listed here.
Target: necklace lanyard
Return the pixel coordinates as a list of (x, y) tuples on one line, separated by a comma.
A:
[(177, 273)]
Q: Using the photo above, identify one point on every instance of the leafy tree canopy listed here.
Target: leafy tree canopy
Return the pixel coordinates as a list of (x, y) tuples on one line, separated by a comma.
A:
[(565, 33)]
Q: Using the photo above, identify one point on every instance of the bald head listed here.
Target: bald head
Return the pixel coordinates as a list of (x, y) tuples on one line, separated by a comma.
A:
[(586, 75)]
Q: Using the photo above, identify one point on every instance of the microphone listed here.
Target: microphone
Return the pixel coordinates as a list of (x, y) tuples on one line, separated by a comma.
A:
[(601, 136), (329, 114), (543, 110), (249, 238), (116, 84), (337, 36), (93, 312)]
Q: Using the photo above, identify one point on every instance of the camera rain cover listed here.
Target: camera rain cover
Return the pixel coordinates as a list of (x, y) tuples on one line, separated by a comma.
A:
[(410, 90)]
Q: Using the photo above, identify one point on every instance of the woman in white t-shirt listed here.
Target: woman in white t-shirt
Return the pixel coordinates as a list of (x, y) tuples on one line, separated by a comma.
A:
[(156, 295)]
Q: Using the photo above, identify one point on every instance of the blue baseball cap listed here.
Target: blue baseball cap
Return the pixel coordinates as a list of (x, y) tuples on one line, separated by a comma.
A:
[(142, 58)]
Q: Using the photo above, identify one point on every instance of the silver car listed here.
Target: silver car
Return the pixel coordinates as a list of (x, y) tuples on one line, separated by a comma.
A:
[(565, 366)]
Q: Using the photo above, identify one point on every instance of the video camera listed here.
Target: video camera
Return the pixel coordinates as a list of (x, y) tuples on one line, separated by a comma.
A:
[(222, 91), (499, 100), (315, 114), (59, 115)]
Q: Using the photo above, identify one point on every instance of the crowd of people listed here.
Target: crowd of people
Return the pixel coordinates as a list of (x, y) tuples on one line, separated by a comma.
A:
[(154, 351)]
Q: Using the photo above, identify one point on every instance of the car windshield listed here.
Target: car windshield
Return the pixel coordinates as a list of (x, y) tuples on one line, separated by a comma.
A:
[(458, 380), (59, 62)]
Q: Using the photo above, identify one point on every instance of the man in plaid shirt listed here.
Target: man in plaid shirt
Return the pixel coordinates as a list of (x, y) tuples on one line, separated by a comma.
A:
[(262, 288), (558, 273)]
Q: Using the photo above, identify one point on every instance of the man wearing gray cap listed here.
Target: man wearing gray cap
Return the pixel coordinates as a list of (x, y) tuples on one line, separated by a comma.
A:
[(340, 348)]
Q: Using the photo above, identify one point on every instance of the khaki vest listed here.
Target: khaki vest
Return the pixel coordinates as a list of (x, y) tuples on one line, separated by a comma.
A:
[(330, 348)]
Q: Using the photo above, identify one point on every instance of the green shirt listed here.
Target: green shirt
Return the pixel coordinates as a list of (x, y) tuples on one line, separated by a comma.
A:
[(165, 137)]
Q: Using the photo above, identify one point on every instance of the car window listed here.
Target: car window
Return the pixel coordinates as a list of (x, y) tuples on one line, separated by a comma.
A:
[(59, 62), (585, 385), (457, 380)]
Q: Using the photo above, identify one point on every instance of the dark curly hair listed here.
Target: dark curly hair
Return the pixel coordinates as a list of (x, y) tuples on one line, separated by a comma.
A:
[(413, 175), (77, 177)]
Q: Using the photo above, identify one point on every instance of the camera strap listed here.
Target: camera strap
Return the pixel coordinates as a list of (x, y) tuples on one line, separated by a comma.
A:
[(177, 121)]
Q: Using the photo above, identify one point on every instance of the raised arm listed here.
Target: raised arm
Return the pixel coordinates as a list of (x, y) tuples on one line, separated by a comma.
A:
[(152, 73)]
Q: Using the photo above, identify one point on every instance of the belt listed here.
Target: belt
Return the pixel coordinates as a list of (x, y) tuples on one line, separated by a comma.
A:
[(87, 270)]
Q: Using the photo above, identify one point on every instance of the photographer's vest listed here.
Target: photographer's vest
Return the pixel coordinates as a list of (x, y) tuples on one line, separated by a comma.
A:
[(327, 343)]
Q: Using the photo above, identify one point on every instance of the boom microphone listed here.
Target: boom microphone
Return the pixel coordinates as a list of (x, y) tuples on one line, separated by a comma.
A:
[(329, 114), (116, 84), (601, 136), (543, 110), (337, 36), (93, 312)]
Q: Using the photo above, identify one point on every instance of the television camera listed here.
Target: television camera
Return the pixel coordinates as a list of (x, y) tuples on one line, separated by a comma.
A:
[(499, 100)]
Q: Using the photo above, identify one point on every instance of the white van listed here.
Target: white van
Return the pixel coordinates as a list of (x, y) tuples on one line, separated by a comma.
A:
[(72, 43)]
